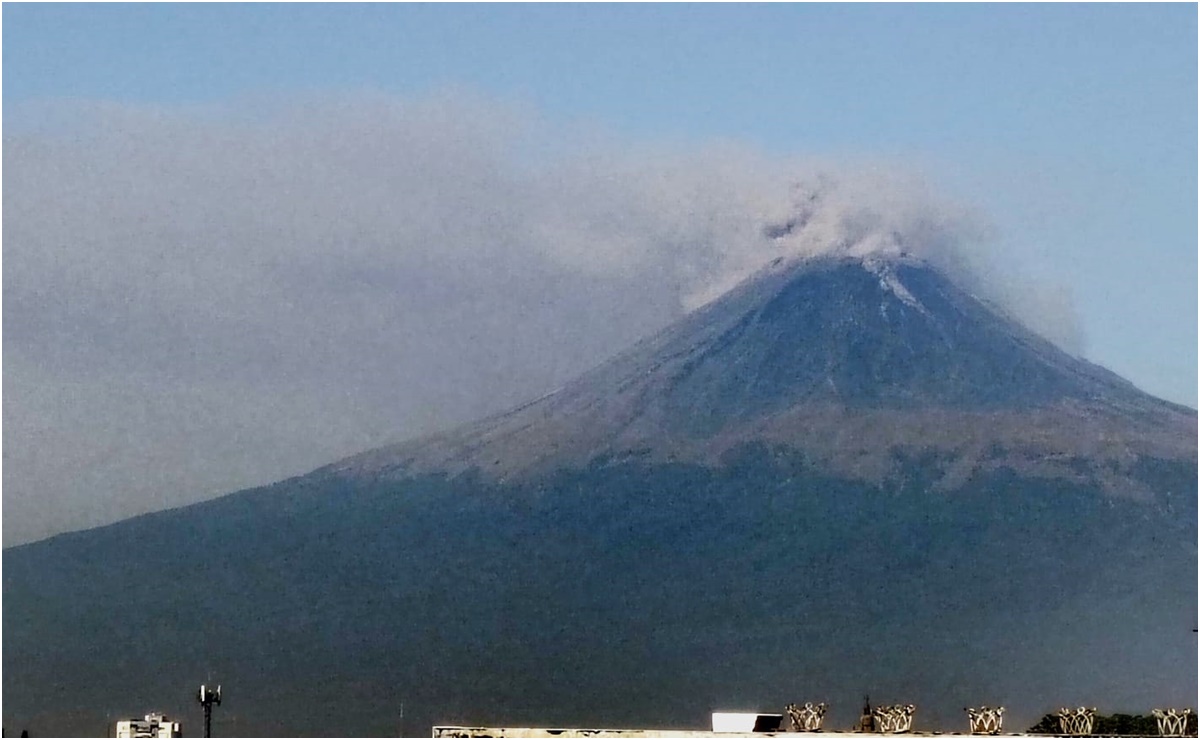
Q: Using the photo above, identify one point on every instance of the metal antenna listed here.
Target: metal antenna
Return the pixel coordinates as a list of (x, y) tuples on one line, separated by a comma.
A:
[(208, 697)]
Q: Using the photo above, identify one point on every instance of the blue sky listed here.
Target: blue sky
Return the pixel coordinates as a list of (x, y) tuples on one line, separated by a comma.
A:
[(860, 77), (1071, 127), (1074, 126)]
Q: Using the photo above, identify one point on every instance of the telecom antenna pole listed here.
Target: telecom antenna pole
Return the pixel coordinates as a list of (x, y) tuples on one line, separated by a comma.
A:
[(208, 697)]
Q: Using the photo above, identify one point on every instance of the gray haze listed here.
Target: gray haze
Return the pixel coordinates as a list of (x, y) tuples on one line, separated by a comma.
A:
[(200, 300)]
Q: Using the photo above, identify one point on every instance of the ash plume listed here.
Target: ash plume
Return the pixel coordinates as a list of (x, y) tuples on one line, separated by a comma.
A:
[(189, 293)]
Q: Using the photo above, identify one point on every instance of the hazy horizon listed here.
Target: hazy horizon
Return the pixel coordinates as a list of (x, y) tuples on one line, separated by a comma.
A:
[(244, 242)]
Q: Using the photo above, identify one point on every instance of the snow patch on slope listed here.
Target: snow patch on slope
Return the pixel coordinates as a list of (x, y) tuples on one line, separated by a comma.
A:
[(889, 281)]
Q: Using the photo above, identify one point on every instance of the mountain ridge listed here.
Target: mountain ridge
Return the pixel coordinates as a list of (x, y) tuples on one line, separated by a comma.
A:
[(657, 399), (844, 477)]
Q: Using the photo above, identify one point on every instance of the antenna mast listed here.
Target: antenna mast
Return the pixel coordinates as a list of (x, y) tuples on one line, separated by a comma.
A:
[(208, 697)]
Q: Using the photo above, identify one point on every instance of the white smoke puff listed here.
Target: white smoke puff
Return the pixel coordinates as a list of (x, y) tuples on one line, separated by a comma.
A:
[(854, 214), (861, 212), (233, 203), (373, 267)]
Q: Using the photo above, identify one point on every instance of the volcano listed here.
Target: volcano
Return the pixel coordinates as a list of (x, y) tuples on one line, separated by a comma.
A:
[(848, 475), (852, 361)]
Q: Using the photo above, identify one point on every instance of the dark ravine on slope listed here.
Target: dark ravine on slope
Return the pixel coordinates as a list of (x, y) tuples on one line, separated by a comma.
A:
[(846, 476)]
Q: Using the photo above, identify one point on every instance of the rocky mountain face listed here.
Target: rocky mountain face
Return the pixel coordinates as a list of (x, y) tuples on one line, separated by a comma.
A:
[(851, 361), (847, 476)]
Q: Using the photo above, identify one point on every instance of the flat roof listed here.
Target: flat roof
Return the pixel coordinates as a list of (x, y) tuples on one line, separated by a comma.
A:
[(541, 732)]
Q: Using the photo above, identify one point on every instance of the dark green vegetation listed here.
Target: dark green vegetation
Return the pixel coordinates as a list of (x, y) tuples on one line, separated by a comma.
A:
[(613, 596), (1142, 725)]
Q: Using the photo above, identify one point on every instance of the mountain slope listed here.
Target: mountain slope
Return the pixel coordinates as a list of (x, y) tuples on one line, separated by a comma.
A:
[(850, 360), (847, 476)]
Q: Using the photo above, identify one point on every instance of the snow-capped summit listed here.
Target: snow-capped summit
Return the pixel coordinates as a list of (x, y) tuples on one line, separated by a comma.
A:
[(803, 350), (848, 471)]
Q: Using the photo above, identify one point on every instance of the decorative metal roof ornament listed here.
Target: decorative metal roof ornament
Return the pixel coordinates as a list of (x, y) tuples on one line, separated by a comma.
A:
[(1172, 722), (985, 721), (1076, 721), (894, 719), (806, 718)]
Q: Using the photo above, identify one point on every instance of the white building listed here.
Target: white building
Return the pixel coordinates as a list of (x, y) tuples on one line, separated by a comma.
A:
[(155, 725)]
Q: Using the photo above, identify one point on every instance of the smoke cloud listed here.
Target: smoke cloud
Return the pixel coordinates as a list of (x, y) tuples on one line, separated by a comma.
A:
[(197, 300)]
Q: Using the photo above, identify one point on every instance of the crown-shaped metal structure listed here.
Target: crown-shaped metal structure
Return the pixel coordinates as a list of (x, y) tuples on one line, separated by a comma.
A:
[(985, 720), (893, 719), (1076, 721), (1172, 722), (806, 718)]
